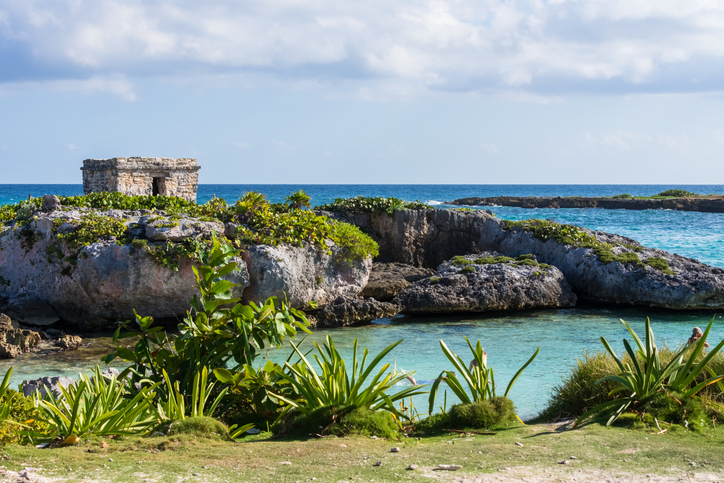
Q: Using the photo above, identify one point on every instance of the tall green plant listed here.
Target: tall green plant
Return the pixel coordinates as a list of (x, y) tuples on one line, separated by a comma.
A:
[(98, 405), (479, 378), (217, 332), (645, 376), (174, 407), (299, 200), (335, 387)]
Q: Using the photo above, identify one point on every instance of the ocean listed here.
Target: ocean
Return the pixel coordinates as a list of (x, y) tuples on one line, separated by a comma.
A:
[(508, 338)]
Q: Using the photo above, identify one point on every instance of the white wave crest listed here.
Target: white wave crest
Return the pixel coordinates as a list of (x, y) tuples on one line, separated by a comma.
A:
[(434, 202)]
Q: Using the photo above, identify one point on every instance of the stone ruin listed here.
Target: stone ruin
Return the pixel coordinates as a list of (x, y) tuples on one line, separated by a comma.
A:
[(142, 176)]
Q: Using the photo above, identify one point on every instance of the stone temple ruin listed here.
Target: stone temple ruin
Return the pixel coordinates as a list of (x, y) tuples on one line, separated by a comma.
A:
[(142, 176)]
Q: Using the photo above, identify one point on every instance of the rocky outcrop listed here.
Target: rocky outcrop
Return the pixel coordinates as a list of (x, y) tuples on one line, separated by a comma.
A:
[(101, 283), (710, 204), (388, 279), (15, 341), (693, 285), (302, 274), (46, 384), (348, 310), (483, 287), (422, 238)]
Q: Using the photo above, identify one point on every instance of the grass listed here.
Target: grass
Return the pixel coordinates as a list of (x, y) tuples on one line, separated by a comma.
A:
[(610, 452)]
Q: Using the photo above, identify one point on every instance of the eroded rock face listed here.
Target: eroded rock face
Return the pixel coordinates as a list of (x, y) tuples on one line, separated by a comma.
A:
[(694, 285), (107, 281), (486, 287), (422, 238), (15, 341), (388, 279), (302, 273), (348, 310)]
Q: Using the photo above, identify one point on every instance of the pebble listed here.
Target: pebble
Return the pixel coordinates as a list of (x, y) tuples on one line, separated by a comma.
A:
[(571, 457), (110, 459), (285, 463), (692, 464), (564, 462), (449, 467), (379, 463), (195, 474), (517, 443), (412, 467), (394, 450)]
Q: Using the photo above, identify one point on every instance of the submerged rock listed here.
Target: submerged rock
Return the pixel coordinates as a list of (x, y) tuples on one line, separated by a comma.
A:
[(388, 279), (349, 310), (465, 286)]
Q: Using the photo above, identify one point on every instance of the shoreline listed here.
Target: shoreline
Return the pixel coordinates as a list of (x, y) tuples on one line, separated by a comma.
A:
[(699, 204)]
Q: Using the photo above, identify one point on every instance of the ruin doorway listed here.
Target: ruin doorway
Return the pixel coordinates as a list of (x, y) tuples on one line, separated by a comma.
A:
[(159, 186)]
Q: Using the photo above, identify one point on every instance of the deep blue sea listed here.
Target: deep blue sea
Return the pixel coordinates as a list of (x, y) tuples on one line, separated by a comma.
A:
[(509, 339)]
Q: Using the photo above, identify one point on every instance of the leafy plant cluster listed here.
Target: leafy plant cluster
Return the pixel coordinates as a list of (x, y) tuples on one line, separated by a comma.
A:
[(377, 204), (646, 383), (677, 193), (526, 260), (272, 225), (572, 235)]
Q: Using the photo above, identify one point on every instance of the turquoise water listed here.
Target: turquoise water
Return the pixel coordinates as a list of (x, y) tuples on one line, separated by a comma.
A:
[(509, 339)]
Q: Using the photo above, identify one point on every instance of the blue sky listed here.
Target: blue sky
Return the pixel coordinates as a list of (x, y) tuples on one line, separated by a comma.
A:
[(335, 91)]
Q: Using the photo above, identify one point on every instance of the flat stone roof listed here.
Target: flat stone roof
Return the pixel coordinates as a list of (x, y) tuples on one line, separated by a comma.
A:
[(139, 163)]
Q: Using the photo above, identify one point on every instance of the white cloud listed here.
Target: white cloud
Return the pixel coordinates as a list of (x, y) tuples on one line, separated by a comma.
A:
[(73, 147), (458, 45)]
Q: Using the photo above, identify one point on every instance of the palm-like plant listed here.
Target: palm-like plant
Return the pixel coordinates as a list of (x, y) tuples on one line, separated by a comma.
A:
[(645, 376), (334, 387), (480, 378), (298, 200)]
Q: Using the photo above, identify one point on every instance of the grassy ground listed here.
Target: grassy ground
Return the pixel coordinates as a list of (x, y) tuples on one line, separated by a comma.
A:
[(530, 453)]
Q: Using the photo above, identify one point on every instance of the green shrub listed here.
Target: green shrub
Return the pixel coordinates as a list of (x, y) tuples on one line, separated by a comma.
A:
[(459, 260), (21, 417), (659, 264), (484, 414), (467, 269), (624, 196), (677, 193), (373, 205), (199, 426), (674, 408), (340, 422), (435, 280)]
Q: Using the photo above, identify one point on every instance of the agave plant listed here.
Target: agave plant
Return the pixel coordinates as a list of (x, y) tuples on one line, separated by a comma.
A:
[(173, 406), (645, 377), (97, 405), (335, 387), (480, 378)]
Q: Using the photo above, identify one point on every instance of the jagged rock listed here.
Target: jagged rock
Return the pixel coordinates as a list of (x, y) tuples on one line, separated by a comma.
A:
[(693, 286), (488, 287), (387, 279), (349, 310), (182, 229), (68, 342), (50, 203), (15, 341), (422, 238), (45, 384), (302, 274)]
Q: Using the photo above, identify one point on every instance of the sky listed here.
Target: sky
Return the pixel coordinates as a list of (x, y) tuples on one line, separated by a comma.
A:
[(373, 91)]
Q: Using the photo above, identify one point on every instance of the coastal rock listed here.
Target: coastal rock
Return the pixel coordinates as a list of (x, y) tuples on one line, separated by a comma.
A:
[(388, 279), (182, 229), (302, 274), (349, 310), (483, 287), (693, 285), (31, 311), (68, 342), (105, 283), (15, 341), (50, 203), (422, 238)]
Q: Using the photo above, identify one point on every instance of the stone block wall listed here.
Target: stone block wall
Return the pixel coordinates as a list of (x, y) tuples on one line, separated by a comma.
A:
[(135, 176)]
